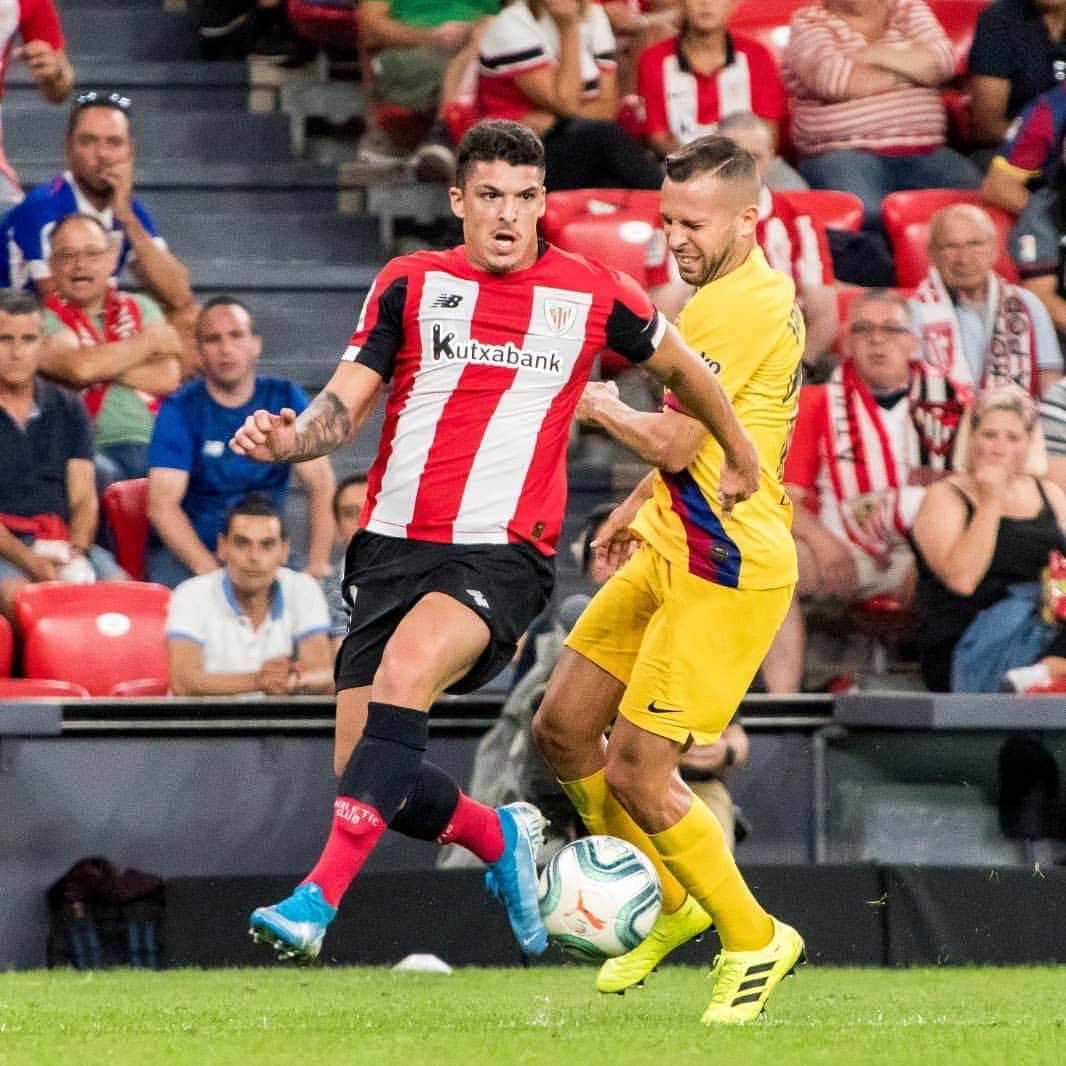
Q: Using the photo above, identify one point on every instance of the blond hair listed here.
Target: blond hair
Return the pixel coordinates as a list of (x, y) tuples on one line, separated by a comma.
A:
[(1011, 398)]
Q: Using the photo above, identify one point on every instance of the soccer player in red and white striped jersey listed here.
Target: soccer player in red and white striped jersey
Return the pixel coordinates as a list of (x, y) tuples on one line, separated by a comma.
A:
[(487, 348)]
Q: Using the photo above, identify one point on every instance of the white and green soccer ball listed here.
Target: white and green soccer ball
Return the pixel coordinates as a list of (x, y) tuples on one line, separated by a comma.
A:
[(599, 897)]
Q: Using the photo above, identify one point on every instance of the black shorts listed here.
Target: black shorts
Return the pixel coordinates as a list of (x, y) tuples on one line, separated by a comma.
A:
[(506, 585)]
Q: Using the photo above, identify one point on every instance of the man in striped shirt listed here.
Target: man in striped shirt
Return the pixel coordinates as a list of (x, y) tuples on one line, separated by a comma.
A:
[(488, 347), (862, 76)]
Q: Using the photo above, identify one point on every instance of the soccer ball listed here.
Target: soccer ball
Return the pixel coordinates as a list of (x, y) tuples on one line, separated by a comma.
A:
[(599, 897)]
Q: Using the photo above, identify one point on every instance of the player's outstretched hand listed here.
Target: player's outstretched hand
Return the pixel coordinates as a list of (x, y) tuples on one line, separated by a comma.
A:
[(266, 437)]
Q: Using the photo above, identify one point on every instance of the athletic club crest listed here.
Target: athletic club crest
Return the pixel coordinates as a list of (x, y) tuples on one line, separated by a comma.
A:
[(937, 337), (559, 314)]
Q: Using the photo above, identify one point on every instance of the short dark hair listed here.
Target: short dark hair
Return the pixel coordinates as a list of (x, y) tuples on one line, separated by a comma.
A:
[(91, 98), (78, 216), (258, 505), (495, 139), (720, 156), (19, 302), (358, 478), (223, 300)]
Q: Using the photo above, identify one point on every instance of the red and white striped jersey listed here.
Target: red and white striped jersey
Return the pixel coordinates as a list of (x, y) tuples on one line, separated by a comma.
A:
[(486, 371)]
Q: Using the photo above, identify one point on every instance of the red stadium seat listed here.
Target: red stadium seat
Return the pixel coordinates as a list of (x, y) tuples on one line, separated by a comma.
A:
[(7, 647), (834, 209), (95, 635), (17, 688), (331, 26), (958, 19), (126, 508), (141, 686), (767, 21), (906, 218), (569, 204)]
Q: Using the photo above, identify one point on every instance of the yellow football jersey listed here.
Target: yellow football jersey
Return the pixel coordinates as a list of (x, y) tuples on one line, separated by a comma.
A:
[(749, 329)]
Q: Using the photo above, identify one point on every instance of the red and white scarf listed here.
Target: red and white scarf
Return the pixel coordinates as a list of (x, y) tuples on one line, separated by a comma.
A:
[(861, 458), (122, 319), (1010, 357)]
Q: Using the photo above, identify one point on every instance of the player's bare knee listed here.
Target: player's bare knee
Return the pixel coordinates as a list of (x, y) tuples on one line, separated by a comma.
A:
[(631, 788)]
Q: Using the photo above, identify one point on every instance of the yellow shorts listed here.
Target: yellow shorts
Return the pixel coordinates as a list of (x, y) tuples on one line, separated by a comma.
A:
[(685, 648)]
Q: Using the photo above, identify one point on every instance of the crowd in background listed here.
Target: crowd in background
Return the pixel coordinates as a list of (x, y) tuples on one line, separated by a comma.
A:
[(933, 427)]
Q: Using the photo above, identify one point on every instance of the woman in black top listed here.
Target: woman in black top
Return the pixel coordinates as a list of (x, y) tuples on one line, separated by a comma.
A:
[(990, 525)]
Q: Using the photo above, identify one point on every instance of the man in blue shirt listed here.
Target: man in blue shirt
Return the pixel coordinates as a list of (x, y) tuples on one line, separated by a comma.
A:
[(193, 477), (98, 182)]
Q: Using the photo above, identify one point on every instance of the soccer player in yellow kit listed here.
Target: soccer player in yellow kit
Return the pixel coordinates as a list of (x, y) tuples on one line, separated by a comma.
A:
[(668, 647)]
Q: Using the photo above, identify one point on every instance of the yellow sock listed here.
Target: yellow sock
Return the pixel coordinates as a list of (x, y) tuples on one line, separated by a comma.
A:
[(695, 851), (603, 814)]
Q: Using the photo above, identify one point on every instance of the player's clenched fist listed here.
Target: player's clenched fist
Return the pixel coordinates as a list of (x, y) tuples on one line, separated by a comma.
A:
[(266, 437)]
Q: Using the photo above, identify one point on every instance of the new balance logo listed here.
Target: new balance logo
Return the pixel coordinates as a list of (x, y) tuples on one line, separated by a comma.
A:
[(448, 300), (479, 598)]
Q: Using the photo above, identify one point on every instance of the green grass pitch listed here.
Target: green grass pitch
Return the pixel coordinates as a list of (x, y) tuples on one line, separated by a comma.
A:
[(549, 1015)]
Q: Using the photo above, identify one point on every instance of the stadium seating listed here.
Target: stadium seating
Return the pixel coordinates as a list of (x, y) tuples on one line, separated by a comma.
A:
[(94, 635), (833, 208), (566, 206), (126, 509), (17, 688), (141, 686), (332, 25), (7, 647), (767, 21), (906, 218)]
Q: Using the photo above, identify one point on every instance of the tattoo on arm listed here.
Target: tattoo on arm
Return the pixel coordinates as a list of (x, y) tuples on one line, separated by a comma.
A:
[(322, 428)]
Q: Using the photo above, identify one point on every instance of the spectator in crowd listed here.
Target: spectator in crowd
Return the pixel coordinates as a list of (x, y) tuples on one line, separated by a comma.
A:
[(48, 507), (408, 46), (982, 537), (254, 625), (690, 82), (43, 50), (99, 181), (1027, 178), (551, 65), (1018, 52), (794, 244), (349, 499), (976, 328), (862, 76), (864, 447), (193, 477), (115, 346)]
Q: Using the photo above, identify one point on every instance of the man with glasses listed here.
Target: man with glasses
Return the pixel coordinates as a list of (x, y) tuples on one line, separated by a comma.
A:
[(975, 327), (864, 447), (99, 181), (115, 346)]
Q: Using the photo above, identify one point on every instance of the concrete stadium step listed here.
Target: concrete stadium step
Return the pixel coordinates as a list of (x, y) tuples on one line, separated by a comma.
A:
[(196, 174), (304, 236), (304, 332), (166, 86), (273, 274), (128, 31), (203, 136)]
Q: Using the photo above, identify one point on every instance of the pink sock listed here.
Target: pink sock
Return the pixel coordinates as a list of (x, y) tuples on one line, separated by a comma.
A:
[(357, 827), (476, 827)]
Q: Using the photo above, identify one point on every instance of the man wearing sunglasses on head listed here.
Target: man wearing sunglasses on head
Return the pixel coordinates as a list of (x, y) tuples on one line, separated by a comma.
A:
[(98, 181), (864, 447)]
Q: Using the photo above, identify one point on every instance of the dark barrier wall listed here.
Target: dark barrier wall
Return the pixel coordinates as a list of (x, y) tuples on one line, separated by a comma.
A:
[(860, 915)]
